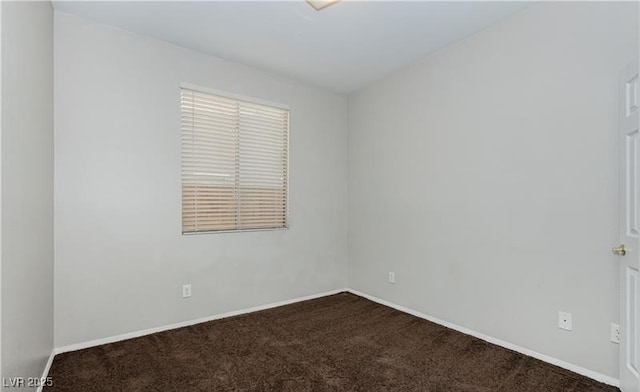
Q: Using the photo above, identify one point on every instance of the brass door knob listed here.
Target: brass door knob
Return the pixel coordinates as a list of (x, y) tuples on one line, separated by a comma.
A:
[(619, 250)]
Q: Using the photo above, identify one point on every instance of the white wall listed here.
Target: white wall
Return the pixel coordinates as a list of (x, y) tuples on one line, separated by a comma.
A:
[(27, 188), (120, 258), (485, 177)]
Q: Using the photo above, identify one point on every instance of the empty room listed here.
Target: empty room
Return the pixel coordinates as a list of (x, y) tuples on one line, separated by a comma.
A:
[(319, 195)]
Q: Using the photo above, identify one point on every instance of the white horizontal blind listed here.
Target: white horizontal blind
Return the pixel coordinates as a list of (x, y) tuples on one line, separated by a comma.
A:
[(234, 164)]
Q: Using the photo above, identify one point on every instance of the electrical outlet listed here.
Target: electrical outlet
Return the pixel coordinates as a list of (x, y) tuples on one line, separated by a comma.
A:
[(564, 321), (186, 291), (615, 333), (392, 277)]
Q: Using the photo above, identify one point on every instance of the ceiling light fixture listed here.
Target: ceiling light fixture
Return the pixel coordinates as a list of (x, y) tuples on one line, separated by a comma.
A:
[(321, 4)]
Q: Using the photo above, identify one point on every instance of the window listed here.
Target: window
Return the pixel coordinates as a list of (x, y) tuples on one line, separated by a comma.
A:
[(234, 163)]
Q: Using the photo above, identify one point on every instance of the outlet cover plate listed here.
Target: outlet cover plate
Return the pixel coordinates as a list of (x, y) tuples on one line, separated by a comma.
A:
[(186, 291), (565, 321), (615, 333)]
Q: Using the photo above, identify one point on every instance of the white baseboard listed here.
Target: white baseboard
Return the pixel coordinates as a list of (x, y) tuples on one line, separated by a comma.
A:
[(131, 335), (554, 361), (47, 367)]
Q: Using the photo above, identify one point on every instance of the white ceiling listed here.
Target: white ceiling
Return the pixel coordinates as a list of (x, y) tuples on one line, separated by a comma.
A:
[(342, 48)]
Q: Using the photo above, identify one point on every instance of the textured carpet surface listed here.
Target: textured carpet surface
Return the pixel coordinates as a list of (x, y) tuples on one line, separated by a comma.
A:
[(338, 343)]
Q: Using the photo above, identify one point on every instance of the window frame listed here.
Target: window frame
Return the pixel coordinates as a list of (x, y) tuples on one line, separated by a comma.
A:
[(252, 100)]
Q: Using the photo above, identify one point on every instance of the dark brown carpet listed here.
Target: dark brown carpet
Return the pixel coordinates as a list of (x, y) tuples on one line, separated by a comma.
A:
[(338, 343)]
